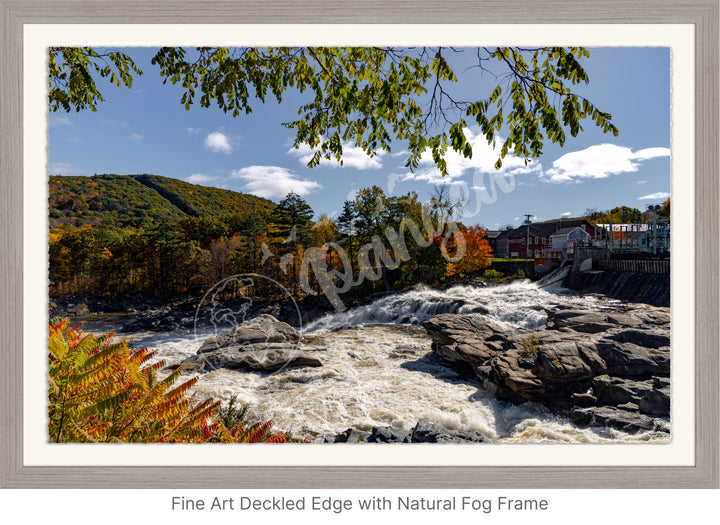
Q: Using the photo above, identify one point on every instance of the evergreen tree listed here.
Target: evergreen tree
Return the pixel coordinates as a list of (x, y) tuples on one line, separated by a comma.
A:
[(293, 217)]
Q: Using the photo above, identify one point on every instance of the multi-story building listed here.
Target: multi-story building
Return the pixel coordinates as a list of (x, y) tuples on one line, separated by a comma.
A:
[(534, 240)]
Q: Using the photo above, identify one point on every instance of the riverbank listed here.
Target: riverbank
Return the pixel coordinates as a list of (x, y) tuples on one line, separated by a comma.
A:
[(374, 371), (183, 315)]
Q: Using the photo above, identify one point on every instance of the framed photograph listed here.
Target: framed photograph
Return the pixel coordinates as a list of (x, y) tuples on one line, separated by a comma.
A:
[(311, 245)]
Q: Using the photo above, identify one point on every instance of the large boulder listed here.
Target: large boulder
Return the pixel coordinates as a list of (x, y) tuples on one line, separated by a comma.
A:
[(263, 328), (604, 367), (427, 432), (260, 344), (465, 339), (618, 418), (514, 379), (567, 361), (257, 358)]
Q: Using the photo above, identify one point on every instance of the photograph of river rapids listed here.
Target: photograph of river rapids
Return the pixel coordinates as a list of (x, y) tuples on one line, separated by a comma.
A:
[(359, 244), (517, 362)]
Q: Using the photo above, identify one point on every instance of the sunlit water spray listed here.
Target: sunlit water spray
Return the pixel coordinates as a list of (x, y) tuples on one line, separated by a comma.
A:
[(379, 370)]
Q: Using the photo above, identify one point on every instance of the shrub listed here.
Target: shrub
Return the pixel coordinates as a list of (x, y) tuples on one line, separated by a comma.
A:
[(230, 415), (529, 347), (103, 391), (492, 275)]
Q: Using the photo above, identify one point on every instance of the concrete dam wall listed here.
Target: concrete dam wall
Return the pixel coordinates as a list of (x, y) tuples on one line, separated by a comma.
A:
[(653, 289)]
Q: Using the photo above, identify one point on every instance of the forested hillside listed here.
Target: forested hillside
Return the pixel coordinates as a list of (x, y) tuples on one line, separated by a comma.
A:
[(140, 200), (148, 237)]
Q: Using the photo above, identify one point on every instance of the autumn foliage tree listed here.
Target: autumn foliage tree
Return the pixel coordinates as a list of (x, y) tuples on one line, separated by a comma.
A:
[(102, 391), (477, 253)]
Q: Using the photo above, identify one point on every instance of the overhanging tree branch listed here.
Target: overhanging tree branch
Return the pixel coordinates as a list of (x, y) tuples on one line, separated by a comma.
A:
[(371, 96)]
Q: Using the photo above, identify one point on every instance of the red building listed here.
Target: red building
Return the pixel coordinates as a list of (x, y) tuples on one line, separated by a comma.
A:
[(532, 241)]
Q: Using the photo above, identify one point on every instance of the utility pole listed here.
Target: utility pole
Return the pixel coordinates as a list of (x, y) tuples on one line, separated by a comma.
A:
[(527, 221)]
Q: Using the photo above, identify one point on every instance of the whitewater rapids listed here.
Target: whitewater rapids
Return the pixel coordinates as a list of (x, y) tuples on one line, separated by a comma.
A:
[(379, 370)]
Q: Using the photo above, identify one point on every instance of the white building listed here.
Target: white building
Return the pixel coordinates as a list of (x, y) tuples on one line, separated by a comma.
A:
[(564, 240)]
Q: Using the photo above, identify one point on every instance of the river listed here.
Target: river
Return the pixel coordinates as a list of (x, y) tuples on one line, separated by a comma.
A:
[(378, 370)]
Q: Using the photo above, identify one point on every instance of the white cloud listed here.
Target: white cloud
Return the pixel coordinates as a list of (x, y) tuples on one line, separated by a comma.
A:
[(200, 178), (661, 195), (273, 181), (566, 214), (136, 138), (599, 162), (218, 143), (59, 121), (651, 153), (63, 168), (195, 131), (352, 157), (483, 160)]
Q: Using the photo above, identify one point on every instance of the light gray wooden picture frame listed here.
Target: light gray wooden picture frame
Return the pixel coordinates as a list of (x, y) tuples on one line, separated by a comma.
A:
[(703, 14)]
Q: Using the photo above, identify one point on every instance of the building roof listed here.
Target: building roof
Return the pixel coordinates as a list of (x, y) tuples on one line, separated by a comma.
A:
[(565, 231), (543, 228)]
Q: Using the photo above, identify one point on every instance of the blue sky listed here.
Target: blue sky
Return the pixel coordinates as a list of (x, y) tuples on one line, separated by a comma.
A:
[(146, 130)]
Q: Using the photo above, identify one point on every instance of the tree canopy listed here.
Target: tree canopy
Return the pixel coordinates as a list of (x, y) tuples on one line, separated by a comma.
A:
[(365, 96)]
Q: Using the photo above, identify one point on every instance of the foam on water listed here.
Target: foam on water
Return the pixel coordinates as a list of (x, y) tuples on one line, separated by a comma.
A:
[(520, 303), (377, 373)]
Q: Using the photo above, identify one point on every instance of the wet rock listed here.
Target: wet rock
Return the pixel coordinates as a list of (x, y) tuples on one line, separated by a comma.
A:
[(423, 432), (581, 360), (633, 361), (351, 435), (389, 435), (470, 353), (585, 322), (655, 402), (651, 396), (265, 358), (449, 329), (625, 319), (563, 362), (426, 432), (263, 328), (617, 418), (464, 339), (616, 391), (583, 400), (515, 382), (261, 344), (644, 338)]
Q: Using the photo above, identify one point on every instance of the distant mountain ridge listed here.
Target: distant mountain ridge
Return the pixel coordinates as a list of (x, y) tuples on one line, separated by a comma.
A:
[(140, 200)]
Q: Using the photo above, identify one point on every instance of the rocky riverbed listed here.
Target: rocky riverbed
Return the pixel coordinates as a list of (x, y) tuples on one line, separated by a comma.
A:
[(266, 345), (597, 368), (517, 362), (600, 368)]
